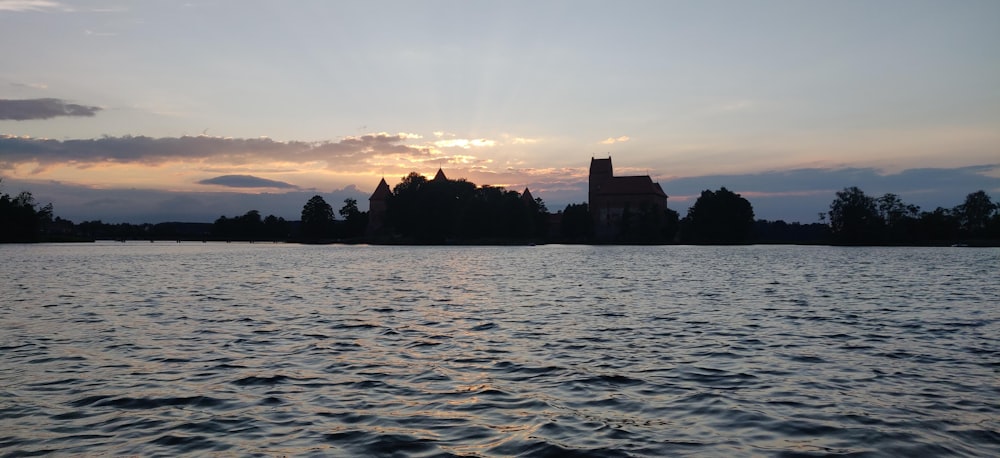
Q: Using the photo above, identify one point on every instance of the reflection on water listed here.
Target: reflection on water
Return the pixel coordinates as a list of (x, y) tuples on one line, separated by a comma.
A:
[(146, 349)]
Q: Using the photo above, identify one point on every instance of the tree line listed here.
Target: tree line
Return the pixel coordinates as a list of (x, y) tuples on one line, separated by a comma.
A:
[(858, 219), (716, 218), (457, 211), (320, 225), (441, 210), (419, 210)]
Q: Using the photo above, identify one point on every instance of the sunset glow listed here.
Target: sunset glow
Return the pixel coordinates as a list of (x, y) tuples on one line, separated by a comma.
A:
[(325, 97)]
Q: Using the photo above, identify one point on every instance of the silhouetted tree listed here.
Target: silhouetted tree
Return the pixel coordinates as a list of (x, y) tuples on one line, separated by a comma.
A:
[(900, 218), (576, 224), (938, 225), (854, 218), (21, 220), (403, 208), (317, 219), (250, 226), (440, 204), (648, 224), (540, 205), (718, 217), (540, 217), (671, 225), (222, 228), (275, 228), (479, 216), (975, 214), (355, 220), (439, 210), (781, 232)]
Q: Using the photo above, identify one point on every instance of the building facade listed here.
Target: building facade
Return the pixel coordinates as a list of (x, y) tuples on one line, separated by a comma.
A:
[(612, 200)]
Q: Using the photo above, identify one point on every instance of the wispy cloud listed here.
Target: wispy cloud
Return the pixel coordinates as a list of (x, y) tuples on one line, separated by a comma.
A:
[(465, 143), (94, 33), (33, 109), (348, 153), (523, 141), (31, 5), (349, 156), (613, 140), (46, 6), (41, 86), (246, 181), (738, 105)]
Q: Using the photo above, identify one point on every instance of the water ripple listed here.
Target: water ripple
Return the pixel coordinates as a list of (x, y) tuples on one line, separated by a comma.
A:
[(269, 350)]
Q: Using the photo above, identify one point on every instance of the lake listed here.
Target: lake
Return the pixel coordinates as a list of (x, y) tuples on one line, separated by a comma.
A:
[(167, 349)]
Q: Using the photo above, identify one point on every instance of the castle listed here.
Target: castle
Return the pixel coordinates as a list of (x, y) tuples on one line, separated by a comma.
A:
[(611, 198), (378, 204)]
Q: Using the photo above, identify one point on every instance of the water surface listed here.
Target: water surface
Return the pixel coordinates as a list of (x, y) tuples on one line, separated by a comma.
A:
[(237, 349)]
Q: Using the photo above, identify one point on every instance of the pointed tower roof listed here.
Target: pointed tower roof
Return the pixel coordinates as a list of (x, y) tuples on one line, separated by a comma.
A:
[(526, 196), (439, 176), (382, 191)]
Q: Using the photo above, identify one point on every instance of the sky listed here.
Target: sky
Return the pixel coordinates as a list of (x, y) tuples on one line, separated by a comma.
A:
[(149, 111)]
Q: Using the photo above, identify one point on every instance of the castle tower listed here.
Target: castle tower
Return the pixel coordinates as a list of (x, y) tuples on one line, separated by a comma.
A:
[(377, 207), (601, 173), (527, 197)]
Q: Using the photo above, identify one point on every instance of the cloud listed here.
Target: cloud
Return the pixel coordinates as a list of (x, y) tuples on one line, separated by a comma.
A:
[(465, 143), (44, 6), (792, 195), (30, 5), (353, 154), (28, 109), (739, 105), (613, 140), (348, 153), (94, 33), (247, 181), (41, 86)]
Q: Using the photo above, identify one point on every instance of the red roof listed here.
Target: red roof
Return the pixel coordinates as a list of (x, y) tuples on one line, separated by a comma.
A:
[(631, 185)]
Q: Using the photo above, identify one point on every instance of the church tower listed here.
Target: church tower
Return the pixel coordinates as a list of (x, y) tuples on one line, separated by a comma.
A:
[(601, 173), (601, 176)]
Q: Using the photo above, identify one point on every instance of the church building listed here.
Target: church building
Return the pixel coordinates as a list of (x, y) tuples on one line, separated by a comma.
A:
[(611, 197)]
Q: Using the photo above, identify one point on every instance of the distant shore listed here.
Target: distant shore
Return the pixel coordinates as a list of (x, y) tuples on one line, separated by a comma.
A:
[(974, 243)]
